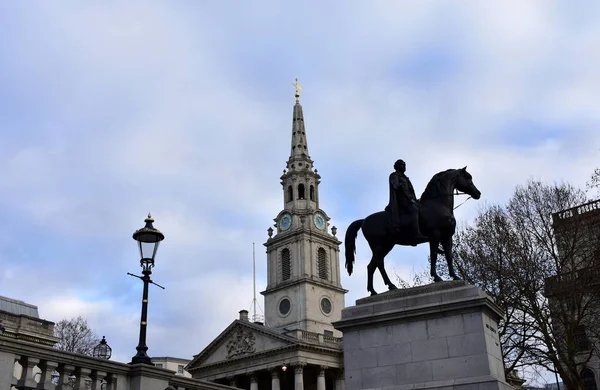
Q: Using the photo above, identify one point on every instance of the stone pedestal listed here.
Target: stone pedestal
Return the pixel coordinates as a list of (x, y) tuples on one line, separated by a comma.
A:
[(442, 335)]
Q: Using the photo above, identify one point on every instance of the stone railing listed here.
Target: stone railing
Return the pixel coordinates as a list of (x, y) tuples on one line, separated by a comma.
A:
[(335, 341), (318, 338), (26, 366)]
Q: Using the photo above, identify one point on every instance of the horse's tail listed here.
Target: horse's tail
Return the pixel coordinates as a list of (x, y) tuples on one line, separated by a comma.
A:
[(350, 243)]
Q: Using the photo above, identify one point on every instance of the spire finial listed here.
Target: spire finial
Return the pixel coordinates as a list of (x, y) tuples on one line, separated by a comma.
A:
[(298, 89)]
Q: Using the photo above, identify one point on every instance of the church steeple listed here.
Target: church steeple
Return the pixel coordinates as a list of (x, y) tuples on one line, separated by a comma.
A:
[(304, 283), (300, 181), (299, 147)]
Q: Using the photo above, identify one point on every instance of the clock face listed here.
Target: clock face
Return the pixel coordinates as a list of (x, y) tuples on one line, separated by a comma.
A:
[(319, 221), (285, 222)]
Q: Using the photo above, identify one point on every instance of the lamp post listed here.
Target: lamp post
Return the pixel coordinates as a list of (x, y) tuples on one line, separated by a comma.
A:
[(102, 350), (148, 239)]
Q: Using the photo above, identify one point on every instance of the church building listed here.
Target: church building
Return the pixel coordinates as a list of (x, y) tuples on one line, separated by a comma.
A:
[(297, 346)]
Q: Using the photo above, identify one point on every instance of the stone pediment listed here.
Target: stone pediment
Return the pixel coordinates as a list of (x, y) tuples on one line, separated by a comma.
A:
[(239, 340)]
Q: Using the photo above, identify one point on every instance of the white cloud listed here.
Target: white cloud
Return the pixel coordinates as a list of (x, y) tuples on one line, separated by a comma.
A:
[(185, 111)]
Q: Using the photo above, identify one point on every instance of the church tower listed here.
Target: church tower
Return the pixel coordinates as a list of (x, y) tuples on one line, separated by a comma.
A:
[(304, 289)]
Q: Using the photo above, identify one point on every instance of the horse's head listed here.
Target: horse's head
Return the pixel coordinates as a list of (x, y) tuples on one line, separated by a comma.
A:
[(464, 183)]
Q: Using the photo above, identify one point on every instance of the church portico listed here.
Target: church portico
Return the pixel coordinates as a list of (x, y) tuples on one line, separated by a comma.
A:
[(289, 376)]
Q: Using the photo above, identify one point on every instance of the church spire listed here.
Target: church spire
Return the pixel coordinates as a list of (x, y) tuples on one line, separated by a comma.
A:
[(299, 147)]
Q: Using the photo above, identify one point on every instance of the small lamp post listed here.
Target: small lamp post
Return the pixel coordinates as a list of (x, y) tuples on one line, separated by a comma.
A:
[(148, 239), (102, 350)]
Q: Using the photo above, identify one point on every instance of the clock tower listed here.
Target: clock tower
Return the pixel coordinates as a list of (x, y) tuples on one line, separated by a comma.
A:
[(304, 289)]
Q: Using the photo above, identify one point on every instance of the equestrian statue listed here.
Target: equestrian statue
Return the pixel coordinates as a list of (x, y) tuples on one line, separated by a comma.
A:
[(409, 221)]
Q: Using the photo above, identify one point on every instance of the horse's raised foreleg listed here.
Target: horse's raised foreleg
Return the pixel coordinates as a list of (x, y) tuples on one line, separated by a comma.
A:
[(447, 244), (370, 271), (433, 254)]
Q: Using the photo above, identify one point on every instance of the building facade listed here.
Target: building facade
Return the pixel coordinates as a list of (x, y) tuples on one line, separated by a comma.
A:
[(297, 346), (22, 321), (574, 293), (174, 364)]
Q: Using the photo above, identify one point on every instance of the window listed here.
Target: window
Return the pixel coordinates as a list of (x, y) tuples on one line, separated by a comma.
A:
[(286, 266), (581, 340), (290, 194), (322, 264), (300, 191), (159, 365), (328, 333), (312, 193), (589, 381), (180, 369)]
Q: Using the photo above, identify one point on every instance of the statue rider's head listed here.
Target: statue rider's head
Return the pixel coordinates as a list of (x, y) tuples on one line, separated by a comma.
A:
[(400, 165)]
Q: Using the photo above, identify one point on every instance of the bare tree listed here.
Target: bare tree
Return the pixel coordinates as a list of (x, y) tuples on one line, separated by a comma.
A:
[(516, 255), (594, 181), (75, 336)]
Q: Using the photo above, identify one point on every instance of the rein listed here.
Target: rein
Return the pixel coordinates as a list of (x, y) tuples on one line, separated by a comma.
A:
[(462, 202), (452, 194)]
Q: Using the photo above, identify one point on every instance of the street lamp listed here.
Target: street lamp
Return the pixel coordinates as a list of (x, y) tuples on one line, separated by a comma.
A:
[(102, 350), (148, 239)]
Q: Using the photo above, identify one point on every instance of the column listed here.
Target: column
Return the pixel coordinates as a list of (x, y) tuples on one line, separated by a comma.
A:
[(339, 380), (63, 380), (46, 375), (275, 379), (7, 369), (81, 374), (253, 382), (97, 377), (111, 382), (232, 381), (299, 376), (26, 379), (321, 378)]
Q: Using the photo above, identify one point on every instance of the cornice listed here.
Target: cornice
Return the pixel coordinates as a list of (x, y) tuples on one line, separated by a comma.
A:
[(217, 341), (295, 282), (302, 232), (298, 345)]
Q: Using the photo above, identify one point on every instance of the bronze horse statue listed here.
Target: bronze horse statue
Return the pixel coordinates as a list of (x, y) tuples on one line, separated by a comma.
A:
[(436, 221)]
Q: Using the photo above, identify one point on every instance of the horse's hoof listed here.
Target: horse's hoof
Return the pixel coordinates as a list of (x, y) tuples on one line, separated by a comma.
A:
[(373, 293), (456, 278), (437, 279), (392, 287)]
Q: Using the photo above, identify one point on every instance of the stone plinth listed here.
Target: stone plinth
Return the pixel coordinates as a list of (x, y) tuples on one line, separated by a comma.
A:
[(442, 335)]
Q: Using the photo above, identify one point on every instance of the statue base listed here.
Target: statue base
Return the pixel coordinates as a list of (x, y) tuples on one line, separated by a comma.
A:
[(442, 335)]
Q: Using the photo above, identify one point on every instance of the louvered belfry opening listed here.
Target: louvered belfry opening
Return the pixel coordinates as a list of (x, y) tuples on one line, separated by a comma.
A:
[(286, 266), (322, 264)]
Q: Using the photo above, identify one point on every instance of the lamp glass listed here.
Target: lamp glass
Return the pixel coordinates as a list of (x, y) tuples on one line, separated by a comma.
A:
[(148, 249)]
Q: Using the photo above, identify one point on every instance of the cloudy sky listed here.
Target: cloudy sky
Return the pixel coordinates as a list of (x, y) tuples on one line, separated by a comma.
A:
[(109, 110)]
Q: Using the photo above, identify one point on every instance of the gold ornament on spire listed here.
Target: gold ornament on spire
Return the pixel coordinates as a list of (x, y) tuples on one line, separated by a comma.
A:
[(298, 89)]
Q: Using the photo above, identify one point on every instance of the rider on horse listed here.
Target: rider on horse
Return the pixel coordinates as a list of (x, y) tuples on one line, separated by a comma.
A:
[(403, 203)]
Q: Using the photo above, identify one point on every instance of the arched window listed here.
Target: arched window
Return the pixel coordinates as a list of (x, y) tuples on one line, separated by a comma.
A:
[(322, 264), (312, 192), (300, 191), (589, 381), (290, 194), (286, 264)]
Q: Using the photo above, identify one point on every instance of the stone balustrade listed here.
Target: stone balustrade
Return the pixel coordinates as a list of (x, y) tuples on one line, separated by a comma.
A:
[(318, 338), (27, 366)]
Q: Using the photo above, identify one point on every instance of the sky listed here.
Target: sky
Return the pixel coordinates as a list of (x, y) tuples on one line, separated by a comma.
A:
[(110, 110)]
